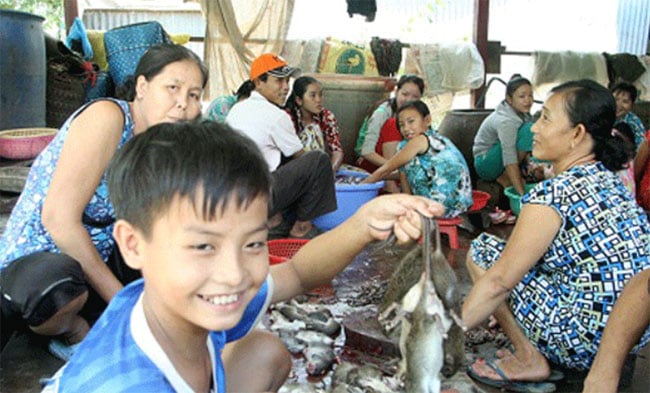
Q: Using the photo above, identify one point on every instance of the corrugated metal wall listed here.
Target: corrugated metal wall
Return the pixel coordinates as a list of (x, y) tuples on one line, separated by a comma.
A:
[(174, 21), (633, 26)]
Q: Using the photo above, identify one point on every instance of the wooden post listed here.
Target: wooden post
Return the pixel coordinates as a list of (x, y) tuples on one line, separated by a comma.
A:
[(481, 17), (70, 11)]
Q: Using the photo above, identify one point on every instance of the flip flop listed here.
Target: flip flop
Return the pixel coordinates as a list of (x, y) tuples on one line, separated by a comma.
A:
[(499, 216), (508, 384), (556, 375)]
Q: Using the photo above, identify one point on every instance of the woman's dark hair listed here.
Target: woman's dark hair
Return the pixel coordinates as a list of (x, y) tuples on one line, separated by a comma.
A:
[(206, 160), (298, 90), (626, 87), (515, 82), (588, 103), (404, 79), (624, 131), (418, 105), (154, 60), (409, 78), (245, 89)]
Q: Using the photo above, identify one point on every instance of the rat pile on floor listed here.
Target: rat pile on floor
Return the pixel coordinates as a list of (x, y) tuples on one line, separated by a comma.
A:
[(312, 328)]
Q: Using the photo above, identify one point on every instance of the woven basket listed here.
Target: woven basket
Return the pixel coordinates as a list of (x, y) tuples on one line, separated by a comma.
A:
[(64, 92), (25, 143)]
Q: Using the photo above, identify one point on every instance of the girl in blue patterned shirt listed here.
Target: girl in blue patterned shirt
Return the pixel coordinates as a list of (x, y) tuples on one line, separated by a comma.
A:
[(430, 164)]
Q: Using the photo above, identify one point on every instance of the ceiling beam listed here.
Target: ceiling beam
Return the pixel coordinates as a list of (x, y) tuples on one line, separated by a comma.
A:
[(70, 11)]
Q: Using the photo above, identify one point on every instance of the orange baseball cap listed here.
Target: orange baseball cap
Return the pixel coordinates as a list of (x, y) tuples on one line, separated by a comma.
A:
[(272, 64)]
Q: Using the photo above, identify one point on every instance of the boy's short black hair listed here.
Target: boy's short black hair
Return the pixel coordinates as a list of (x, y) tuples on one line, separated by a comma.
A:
[(182, 160)]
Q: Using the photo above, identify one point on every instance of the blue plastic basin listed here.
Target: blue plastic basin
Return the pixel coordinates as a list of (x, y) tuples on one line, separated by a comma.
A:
[(349, 197)]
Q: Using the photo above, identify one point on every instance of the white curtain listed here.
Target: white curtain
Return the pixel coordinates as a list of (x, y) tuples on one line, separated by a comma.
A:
[(237, 32)]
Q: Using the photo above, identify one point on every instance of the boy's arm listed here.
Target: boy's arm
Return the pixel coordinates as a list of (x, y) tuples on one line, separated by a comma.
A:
[(630, 317), (325, 256)]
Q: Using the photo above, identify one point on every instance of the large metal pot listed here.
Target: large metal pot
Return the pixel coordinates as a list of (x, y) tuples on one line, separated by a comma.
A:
[(460, 126)]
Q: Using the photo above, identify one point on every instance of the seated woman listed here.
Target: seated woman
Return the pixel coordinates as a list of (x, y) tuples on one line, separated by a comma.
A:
[(59, 266), (316, 126), (579, 239), (378, 137), (430, 164), (220, 106), (625, 95), (502, 143)]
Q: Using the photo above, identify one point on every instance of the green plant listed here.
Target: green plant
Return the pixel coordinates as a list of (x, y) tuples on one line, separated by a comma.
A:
[(51, 10)]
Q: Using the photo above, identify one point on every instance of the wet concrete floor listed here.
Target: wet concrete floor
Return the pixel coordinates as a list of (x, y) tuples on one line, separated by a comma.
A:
[(26, 360)]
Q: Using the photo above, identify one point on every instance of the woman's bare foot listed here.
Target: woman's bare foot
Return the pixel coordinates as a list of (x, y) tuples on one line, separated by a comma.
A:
[(300, 228), (534, 369), (275, 220), (492, 322), (503, 353)]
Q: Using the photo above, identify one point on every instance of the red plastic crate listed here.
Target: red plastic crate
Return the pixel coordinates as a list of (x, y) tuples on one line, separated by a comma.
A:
[(282, 249)]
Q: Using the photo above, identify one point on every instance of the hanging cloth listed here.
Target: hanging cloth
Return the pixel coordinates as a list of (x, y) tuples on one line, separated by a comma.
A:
[(367, 8)]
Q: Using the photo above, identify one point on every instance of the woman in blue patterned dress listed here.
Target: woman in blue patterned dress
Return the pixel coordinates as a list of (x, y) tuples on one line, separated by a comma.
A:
[(579, 239), (430, 165), (57, 254)]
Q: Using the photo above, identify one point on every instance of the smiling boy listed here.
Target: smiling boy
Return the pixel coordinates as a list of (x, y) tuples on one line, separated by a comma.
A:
[(192, 216)]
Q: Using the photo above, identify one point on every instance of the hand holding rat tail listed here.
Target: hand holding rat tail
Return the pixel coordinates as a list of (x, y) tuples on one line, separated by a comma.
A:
[(398, 214)]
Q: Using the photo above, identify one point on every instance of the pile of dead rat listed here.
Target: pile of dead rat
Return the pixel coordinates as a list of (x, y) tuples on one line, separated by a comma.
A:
[(419, 310)]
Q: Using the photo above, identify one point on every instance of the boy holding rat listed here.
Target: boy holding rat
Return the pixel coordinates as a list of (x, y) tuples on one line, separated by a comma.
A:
[(192, 203)]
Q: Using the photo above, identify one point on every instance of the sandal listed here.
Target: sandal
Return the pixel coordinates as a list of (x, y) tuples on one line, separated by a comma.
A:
[(499, 216), (509, 385)]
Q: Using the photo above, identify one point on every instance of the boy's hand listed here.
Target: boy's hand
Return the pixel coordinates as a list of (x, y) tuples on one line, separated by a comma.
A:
[(398, 213)]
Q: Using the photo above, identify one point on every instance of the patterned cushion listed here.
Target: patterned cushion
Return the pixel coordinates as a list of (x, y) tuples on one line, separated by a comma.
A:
[(342, 57), (96, 38), (125, 46)]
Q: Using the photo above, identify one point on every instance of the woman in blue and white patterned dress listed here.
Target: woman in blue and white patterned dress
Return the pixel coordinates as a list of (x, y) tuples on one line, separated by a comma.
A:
[(430, 165), (579, 238), (57, 250)]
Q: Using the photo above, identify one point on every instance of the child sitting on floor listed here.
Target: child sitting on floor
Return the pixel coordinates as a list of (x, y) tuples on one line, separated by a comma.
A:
[(430, 164), (191, 201)]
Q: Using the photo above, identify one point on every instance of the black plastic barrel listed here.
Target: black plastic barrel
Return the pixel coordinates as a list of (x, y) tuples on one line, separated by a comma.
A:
[(22, 70), (460, 126)]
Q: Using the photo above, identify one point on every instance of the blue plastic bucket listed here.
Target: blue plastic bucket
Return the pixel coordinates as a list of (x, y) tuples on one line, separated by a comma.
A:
[(22, 70), (349, 197)]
